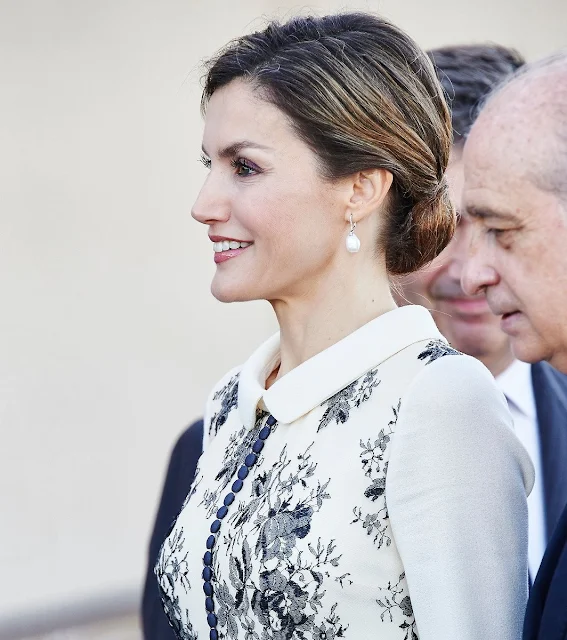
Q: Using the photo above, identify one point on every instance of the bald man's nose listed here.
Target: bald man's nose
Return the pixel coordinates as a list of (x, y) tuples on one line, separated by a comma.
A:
[(476, 276)]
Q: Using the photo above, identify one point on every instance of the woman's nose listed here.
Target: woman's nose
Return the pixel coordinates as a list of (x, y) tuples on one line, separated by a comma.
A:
[(211, 205)]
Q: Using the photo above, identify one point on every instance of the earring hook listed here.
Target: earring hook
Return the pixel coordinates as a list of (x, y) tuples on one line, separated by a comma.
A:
[(352, 224)]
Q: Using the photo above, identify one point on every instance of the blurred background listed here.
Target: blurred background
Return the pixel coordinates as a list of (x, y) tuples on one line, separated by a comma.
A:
[(109, 337)]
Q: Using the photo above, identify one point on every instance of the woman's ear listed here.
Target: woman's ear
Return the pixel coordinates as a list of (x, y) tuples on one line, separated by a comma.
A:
[(369, 190)]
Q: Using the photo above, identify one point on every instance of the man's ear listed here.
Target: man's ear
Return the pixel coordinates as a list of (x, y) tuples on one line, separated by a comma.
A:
[(369, 190)]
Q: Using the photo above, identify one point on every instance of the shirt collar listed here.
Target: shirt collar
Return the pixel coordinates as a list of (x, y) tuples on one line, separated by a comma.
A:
[(515, 382), (317, 379)]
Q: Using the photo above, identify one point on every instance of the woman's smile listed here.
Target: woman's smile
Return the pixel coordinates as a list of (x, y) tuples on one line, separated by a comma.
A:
[(227, 248)]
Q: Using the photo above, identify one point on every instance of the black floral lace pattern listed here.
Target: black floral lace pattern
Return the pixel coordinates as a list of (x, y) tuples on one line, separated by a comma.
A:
[(375, 469), (340, 405), (437, 349), (395, 601), (173, 570), (228, 395), (238, 447), (286, 600)]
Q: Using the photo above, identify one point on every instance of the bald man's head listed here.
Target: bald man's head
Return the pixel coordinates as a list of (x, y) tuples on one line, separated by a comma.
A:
[(528, 113), (515, 196)]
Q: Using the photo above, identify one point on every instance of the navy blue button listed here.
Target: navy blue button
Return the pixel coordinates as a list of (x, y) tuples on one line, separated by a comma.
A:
[(207, 574), (258, 446), (209, 604), (208, 589), (237, 485), (212, 620), (215, 526), (221, 513), (243, 472), (228, 499), (211, 542), (213, 634), (264, 433), (250, 459), (271, 421), (208, 559)]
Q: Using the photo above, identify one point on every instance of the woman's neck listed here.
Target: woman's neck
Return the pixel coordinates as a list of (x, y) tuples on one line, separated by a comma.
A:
[(331, 311)]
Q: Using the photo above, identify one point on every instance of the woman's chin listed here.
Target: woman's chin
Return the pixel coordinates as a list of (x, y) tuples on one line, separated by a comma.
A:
[(224, 292)]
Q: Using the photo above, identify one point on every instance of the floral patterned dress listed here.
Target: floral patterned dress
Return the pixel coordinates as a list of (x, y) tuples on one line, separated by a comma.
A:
[(388, 502)]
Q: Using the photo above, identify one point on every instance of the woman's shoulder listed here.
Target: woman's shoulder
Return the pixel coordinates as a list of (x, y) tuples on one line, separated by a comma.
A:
[(452, 412), (455, 399), (449, 382), (432, 365), (226, 385), (442, 364), (222, 399)]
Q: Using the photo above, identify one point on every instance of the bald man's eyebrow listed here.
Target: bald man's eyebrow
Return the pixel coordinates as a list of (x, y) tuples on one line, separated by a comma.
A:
[(485, 213), (236, 147)]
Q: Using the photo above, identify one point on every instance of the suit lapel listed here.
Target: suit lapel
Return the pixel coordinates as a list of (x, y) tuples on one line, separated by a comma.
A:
[(550, 393), (546, 614)]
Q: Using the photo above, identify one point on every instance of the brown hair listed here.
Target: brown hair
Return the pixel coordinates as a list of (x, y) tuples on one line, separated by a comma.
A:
[(362, 95)]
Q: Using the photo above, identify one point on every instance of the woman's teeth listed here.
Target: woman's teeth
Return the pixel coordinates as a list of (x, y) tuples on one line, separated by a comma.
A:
[(226, 245)]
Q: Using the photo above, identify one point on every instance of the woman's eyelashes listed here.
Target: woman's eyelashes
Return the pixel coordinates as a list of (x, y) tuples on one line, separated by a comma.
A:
[(243, 168)]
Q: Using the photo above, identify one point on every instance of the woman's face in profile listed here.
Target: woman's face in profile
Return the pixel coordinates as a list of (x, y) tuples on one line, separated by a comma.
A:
[(276, 226)]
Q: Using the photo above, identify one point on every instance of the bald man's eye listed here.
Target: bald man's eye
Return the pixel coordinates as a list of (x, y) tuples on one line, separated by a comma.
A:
[(504, 237)]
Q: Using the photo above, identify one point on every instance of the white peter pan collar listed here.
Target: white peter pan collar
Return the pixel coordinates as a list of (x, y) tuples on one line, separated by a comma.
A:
[(317, 379)]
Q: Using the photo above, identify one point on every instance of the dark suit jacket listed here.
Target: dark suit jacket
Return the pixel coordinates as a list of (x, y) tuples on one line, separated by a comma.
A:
[(180, 474), (546, 614)]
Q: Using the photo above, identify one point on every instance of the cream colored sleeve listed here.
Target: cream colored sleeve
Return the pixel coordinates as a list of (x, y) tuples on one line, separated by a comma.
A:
[(456, 491)]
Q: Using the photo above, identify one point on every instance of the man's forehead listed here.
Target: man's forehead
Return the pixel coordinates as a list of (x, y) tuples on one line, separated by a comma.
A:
[(518, 118), (504, 145)]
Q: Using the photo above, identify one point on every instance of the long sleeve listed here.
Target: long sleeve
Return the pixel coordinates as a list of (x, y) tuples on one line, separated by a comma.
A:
[(456, 494)]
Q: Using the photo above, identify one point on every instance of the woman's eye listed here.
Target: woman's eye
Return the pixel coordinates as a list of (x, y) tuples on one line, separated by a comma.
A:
[(243, 168), (205, 161)]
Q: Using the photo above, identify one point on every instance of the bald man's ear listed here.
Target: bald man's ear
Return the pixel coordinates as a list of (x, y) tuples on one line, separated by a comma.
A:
[(369, 190)]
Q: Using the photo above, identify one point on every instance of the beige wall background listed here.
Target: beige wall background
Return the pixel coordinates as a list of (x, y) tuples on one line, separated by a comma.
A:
[(109, 338)]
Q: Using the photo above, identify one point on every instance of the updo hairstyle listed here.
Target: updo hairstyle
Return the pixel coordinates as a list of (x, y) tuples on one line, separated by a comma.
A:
[(362, 95)]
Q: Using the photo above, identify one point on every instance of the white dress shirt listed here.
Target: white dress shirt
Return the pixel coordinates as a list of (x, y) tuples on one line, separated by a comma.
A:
[(392, 469), (516, 384)]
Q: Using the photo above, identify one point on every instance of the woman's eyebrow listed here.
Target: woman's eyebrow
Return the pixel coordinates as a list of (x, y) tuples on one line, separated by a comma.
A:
[(236, 147)]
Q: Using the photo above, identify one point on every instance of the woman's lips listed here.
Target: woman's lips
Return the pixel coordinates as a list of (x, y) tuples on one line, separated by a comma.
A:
[(223, 256)]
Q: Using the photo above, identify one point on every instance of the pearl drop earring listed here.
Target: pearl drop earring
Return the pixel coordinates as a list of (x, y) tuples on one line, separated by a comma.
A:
[(352, 241)]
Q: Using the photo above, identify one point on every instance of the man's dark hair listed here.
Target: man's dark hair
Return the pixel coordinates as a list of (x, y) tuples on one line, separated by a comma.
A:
[(468, 74)]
